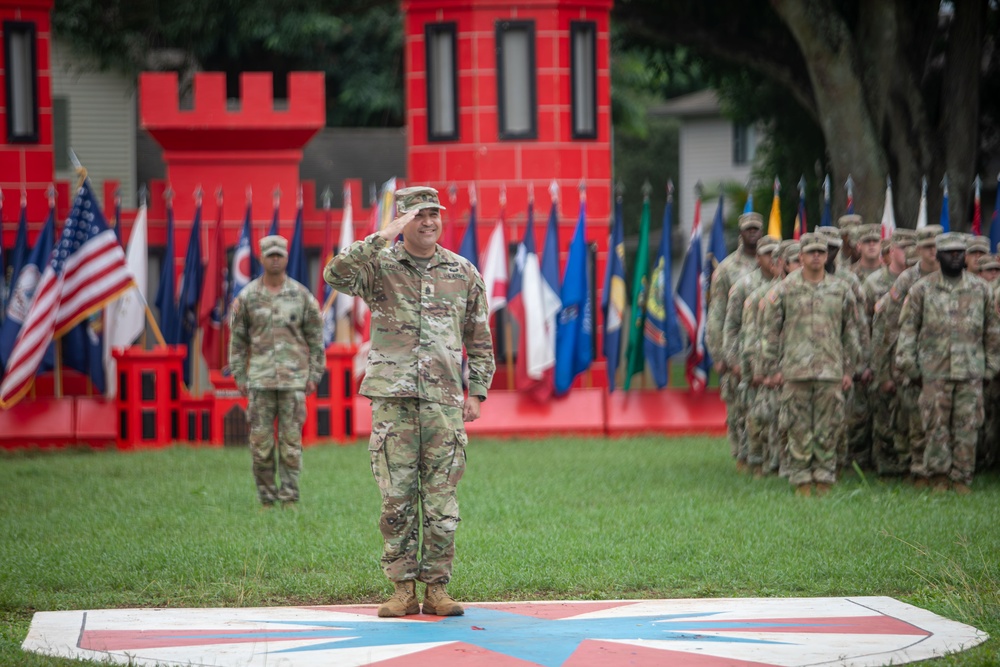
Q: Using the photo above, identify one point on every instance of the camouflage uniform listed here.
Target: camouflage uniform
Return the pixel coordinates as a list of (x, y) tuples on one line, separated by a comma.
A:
[(276, 348), (810, 335), (762, 406), (733, 339), (909, 437), (883, 405), (949, 341), (727, 274), (421, 318)]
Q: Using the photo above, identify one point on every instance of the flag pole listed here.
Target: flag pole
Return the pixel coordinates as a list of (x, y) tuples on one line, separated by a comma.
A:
[(508, 334), (193, 364)]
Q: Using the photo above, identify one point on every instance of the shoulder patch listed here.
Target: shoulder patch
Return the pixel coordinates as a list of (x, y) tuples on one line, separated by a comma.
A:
[(772, 295), (894, 293)]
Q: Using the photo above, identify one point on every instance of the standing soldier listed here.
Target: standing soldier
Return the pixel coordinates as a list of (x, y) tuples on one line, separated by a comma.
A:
[(949, 344), (736, 302), (276, 358), (869, 251), (908, 441), (427, 303), (741, 262), (884, 403), (810, 348), (976, 248), (848, 225)]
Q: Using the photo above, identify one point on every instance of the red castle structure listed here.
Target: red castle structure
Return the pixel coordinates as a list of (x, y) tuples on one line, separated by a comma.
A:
[(503, 97)]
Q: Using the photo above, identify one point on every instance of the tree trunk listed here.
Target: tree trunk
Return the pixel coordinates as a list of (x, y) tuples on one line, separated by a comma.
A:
[(851, 137)]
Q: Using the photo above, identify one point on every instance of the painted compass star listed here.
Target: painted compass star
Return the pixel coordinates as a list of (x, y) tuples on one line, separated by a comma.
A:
[(849, 632)]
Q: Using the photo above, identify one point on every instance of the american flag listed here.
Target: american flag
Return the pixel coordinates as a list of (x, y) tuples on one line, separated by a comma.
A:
[(86, 270)]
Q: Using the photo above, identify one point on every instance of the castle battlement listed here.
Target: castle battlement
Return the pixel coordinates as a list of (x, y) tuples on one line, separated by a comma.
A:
[(217, 123)]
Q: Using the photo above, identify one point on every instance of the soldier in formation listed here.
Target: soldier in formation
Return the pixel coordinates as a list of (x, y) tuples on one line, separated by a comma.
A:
[(856, 372)]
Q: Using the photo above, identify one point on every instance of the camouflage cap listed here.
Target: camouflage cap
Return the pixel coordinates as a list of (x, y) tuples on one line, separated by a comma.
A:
[(869, 233), (779, 250), (978, 244), (903, 238), (831, 235), (273, 245), (814, 241), (416, 198), (751, 219), (911, 255), (950, 241), (988, 263), (926, 235), (792, 251), (766, 244), (849, 220)]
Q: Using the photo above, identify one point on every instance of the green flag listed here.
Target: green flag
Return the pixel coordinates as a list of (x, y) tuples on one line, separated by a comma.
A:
[(640, 283)]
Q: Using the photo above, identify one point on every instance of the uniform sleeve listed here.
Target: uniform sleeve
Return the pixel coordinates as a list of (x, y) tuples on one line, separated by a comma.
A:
[(352, 271), (239, 341), (880, 353), (714, 334), (312, 330), (772, 321), (991, 344), (733, 322), (478, 340), (853, 336), (910, 322)]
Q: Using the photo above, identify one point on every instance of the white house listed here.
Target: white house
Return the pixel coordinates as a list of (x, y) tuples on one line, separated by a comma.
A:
[(712, 149)]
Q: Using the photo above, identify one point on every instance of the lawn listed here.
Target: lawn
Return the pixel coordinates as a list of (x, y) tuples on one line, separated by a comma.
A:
[(543, 519)]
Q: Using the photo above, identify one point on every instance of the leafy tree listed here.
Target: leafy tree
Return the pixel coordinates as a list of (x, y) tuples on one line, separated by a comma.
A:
[(357, 44), (895, 87)]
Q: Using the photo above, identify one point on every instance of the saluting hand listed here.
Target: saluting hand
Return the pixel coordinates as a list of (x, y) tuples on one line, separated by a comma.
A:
[(395, 228)]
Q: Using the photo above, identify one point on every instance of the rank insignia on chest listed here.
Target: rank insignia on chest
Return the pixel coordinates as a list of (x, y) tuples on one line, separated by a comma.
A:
[(428, 290)]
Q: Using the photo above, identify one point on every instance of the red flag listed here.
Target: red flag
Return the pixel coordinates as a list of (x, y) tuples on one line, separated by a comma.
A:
[(977, 214), (86, 270), (212, 309)]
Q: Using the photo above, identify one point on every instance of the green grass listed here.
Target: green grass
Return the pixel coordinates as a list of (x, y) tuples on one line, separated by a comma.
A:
[(543, 519)]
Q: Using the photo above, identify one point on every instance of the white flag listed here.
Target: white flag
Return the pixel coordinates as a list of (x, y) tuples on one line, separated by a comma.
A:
[(888, 215), (125, 318), (344, 304), (922, 213), (494, 263)]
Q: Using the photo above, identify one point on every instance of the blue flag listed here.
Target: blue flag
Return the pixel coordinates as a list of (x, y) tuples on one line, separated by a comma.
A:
[(995, 221), (716, 241), (575, 329), (748, 207), (21, 251), (83, 350), (550, 253), (689, 303), (662, 333), (273, 231), (3, 271), (245, 265), (187, 304), (613, 296), (298, 269), (470, 243), (166, 293), (118, 220), (945, 220), (23, 286)]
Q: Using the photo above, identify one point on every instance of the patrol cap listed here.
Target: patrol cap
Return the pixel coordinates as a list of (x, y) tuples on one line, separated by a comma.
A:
[(766, 244), (926, 235), (903, 238), (848, 221), (813, 241), (273, 245), (751, 219), (988, 262), (792, 250), (779, 250), (978, 244), (869, 233), (416, 198), (831, 236), (949, 241)]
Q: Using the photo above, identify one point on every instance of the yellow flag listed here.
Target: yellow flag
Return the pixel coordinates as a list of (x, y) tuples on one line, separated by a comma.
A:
[(774, 222)]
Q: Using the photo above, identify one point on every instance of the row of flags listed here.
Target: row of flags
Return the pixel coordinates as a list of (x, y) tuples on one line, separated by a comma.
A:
[(554, 315), (888, 220)]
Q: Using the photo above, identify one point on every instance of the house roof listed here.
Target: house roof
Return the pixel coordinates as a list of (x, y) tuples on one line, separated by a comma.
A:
[(702, 103)]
